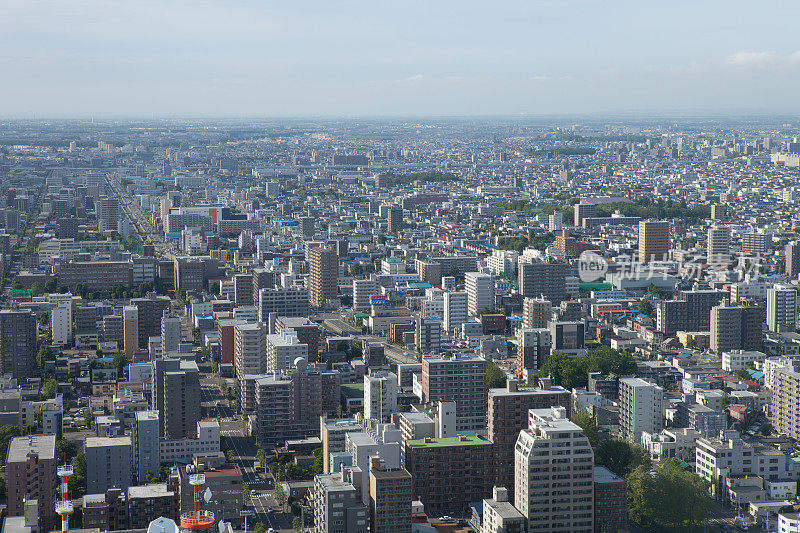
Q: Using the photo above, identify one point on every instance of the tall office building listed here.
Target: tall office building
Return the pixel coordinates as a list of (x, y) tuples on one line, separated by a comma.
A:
[(793, 259), (640, 408), (455, 305), (781, 308), (480, 292), (554, 452), (323, 264), (536, 313), (18, 343), (459, 379), (719, 245), (653, 240), (380, 395), (546, 280), (389, 498)]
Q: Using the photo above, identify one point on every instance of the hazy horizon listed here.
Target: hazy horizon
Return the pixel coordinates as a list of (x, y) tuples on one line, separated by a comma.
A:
[(245, 59)]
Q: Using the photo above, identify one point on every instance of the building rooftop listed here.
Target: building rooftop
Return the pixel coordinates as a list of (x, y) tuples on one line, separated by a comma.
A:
[(154, 490), (604, 475), (102, 442), (20, 447), (474, 440)]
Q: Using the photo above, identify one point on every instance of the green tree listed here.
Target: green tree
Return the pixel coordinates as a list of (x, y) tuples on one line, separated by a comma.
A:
[(77, 483), (66, 450), (645, 307), (44, 354), (319, 461), (119, 363), (37, 289), (495, 377), (88, 417), (585, 421), (621, 457), (49, 390), (260, 528), (261, 455), (6, 434), (297, 524), (672, 498), (280, 495), (246, 495)]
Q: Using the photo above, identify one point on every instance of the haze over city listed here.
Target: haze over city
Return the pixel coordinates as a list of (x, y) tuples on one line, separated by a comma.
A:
[(249, 58)]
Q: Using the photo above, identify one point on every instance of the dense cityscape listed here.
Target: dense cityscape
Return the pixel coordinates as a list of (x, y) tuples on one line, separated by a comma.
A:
[(452, 325)]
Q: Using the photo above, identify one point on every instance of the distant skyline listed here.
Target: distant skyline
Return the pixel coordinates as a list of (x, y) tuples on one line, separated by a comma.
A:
[(147, 58)]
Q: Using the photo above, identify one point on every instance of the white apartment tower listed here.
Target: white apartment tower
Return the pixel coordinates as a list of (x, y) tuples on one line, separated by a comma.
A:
[(640, 408), (380, 395), (781, 308), (455, 310), (554, 473), (480, 292)]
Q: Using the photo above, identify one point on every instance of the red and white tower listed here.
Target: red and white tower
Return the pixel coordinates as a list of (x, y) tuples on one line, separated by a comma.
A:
[(199, 519), (64, 506)]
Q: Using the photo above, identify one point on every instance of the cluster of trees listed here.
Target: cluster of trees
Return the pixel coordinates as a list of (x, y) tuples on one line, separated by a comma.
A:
[(426, 177), (283, 468), (495, 377), (574, 373), (658, 209), (670, 498)]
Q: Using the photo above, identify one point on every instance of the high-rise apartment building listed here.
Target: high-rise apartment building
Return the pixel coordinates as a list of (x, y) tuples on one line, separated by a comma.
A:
[(107, 213), (323, 264), (690, 312), (640, 408), (455, 305), (61, 323), (151, 310), (380, 395), (362, 290), (130, 330), (284, 301), (389, 498), (610, 501), (793, 259), (457, 379), (243, 289), (337, 506), (480, 292), (394, 217), (31, 475), (249, 349), (784, 413), (499, 515), (108, 463), (736, 328), (781, 308), (532, 347), (144, 437), (554, 454), (508, 415), (283, 349), (547, 280), (176, 396), (536, 313), (719, 245), (170, 332), (18, 343), (428, 335), (653, 240)]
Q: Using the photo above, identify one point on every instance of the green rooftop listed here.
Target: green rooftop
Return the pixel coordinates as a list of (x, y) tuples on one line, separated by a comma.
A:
[(473, 440), (353, 390)]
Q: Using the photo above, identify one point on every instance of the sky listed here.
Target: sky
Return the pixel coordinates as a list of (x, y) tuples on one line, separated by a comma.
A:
[(340, 58)]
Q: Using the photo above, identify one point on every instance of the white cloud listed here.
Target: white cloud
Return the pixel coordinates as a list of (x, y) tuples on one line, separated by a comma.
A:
[(751, 59), (543, 78), (411, 79)]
